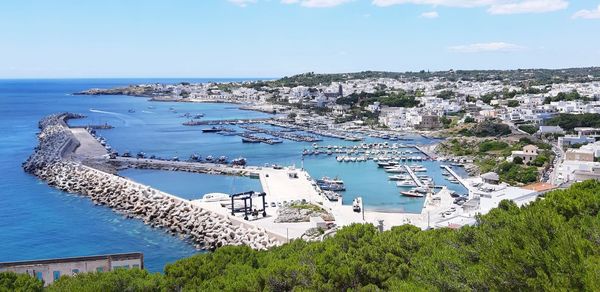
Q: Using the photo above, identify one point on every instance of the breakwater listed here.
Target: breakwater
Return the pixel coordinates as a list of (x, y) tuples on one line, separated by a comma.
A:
[(205, 229)]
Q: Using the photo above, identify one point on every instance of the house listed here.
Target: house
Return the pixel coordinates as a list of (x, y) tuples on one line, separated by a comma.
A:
[(569, 140), (374, 107), (550, 130), (579, 155), (593, 147), (429, 122), (528, 154), (50, 270), (490, 178)]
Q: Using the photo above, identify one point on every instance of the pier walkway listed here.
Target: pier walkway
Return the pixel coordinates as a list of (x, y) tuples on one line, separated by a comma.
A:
[(457, 177), (426, 152), (413, 176)]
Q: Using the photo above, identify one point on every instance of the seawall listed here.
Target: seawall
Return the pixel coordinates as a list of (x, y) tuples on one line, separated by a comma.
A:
[(205, 229)]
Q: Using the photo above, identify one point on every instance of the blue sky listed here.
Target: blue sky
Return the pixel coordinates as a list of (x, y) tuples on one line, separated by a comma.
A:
[(272, 38)]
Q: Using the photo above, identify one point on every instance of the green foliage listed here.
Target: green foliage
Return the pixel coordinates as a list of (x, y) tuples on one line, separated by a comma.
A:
[(488, 97), (543, 158), (394, 99), (469, 120), (570, 121), (307, 206), (10, 281), (487, 128), (528, 128), (446, 94), (492, 145), (513, 173), (518, 160), (573, 95), (446, 122), (117, 281), (398, 100), (512, 103)]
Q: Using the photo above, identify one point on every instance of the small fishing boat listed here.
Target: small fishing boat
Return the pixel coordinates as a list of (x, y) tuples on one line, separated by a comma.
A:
[(212, 130), (239, 161)]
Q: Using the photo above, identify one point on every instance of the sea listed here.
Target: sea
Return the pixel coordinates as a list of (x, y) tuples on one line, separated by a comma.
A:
[(39, 222)]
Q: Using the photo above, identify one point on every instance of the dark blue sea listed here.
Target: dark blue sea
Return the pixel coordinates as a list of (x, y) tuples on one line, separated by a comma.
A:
[(37, 221)]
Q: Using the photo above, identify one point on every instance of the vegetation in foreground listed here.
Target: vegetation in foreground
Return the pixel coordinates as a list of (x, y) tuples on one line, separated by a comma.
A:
[(551, 244)]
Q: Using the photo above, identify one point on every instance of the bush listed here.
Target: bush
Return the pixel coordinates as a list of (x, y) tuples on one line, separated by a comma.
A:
[(518, 160), (530, 129), (571, 121), (10, 281), (117, 280)]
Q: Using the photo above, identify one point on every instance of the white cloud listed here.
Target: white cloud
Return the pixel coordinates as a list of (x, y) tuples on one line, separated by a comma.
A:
[(588, 14), (486, 47), (242, 3), (493, 6), (430, 14), (316, 3), (529, 6)]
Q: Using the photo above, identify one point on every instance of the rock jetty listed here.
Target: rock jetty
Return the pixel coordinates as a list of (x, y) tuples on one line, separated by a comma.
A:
[(205, 229)]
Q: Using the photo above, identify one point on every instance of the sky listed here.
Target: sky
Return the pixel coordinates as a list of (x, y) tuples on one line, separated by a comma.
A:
[(275, 38)]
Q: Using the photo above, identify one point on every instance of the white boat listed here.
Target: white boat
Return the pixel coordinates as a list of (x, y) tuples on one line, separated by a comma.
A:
[(399, 177), (406, 183), (395, 169), (215, 197), (419, 169), (328, 180)]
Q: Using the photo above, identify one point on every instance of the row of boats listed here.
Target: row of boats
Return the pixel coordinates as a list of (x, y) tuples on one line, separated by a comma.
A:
[(364, 146), (240, 161), (284, 134)]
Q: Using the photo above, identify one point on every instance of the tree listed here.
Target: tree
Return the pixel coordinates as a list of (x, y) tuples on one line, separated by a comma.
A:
[(469, 120), (547, 245), (512, 103), (518, 160)]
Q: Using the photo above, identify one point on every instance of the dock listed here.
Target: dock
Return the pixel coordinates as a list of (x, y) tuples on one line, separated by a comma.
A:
[(456, 176), (413, 176), (425, 152), (225, 122)]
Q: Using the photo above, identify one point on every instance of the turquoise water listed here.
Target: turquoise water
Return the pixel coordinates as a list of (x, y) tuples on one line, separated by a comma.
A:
[(37, 221)]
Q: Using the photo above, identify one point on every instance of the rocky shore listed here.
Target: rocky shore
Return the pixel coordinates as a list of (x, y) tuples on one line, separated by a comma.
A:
[(205, 229), (132, 90)]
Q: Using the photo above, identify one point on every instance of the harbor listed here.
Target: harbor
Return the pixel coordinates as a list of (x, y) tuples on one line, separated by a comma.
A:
[(280, 184)]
